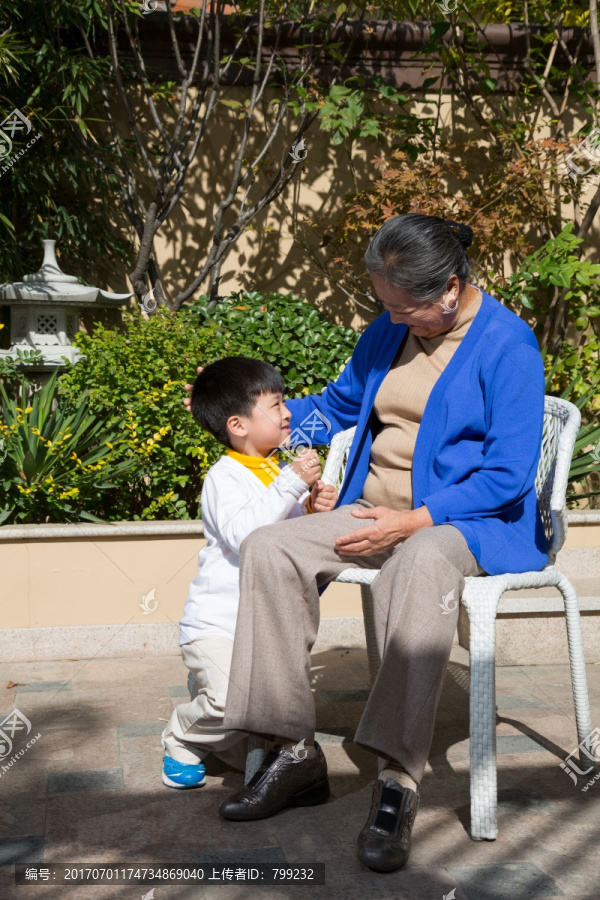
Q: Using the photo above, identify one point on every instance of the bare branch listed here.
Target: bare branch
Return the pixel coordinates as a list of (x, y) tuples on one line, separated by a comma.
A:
[(184, 95), (565, 50), (278, 185), (595, 38), (145, 81), (175, 42), (112, 41), (589, 217)]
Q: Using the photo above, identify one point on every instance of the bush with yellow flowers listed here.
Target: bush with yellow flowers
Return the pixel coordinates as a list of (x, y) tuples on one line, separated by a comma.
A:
[(56, 465), (137, 376)]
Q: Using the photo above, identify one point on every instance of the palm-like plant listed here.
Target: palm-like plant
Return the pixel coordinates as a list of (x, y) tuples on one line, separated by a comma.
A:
[(54, 465)]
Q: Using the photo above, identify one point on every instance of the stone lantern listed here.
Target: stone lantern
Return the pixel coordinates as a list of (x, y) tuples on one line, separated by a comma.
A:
[(45, 310)]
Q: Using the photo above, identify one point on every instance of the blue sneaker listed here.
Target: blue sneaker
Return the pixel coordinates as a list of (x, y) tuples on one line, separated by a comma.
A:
[(182, 775)]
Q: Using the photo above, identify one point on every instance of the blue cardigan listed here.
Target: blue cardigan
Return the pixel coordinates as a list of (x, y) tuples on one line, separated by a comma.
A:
[(479, 441)]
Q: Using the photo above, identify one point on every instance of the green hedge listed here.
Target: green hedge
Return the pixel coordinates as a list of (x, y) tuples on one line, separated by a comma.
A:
[(134, 381), (289, 333)]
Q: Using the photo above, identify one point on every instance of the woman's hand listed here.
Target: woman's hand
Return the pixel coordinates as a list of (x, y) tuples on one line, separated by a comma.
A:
[(189, 387), (323, 497), (388, 528)]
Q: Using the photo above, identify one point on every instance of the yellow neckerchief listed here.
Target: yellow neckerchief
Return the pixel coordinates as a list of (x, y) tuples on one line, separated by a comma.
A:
[(265, 468)]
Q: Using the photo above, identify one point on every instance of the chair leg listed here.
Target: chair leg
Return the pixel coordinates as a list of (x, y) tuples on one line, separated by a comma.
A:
[(577, 663), (484, 789), (255, 756), (369, 618)]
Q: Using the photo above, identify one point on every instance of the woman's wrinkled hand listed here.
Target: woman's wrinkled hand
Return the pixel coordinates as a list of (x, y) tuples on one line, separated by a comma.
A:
[(388, 528), (189, 387)]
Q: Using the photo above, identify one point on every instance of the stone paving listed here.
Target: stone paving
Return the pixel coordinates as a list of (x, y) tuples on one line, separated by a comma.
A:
[(89, 789)]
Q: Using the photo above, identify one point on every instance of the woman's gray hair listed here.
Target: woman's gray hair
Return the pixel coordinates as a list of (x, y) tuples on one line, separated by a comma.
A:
[(419, 253)]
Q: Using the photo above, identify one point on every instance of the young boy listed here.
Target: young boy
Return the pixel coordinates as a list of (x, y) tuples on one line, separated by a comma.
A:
[(240, 402)]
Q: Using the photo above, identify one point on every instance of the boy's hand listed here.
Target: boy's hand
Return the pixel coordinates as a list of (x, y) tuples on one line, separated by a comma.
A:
[(307, 465), (323, 497), (189, 387)]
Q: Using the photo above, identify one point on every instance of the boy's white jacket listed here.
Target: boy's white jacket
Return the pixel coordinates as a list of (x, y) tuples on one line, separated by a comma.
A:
[(234, 502)]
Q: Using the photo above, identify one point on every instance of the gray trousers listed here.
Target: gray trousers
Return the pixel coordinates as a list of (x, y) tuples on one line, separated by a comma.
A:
[(281, 567)]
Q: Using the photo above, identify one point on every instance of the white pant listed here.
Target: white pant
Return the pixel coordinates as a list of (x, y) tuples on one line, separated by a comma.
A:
[(196, 728)]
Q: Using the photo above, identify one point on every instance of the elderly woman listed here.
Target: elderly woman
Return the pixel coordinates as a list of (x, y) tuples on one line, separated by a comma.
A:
[(446, 390)]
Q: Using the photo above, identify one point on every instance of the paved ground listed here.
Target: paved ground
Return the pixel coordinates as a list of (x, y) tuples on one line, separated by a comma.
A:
[(89, 789)]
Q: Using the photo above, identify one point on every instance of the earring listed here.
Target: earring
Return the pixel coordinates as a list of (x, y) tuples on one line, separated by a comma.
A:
[(447, 308)]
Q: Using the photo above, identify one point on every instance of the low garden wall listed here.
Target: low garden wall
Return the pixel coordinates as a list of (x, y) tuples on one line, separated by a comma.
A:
[(81, 591)]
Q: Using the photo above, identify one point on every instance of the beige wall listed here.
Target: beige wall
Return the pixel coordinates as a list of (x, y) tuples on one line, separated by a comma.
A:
[(267, 256), (101, 581)]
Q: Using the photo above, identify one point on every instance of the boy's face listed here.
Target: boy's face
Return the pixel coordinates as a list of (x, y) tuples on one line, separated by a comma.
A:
[(268, 426)]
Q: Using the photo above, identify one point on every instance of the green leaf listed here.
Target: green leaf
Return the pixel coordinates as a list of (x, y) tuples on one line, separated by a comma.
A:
[(338, 92), (560, 278), (9, 225), (429, 82), (437, 30), (29, 466)]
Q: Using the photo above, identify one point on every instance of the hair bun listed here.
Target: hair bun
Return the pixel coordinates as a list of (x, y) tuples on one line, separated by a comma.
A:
[(463, 233)]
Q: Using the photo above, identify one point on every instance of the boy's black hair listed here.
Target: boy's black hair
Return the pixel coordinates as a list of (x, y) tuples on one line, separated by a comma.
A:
[(231, 387)]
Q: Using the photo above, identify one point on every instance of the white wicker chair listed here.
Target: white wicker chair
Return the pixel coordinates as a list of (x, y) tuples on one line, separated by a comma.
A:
[(481, 597)]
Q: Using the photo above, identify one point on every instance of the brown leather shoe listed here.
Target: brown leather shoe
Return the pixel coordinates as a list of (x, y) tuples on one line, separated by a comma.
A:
[(384, 842), (281, 781)]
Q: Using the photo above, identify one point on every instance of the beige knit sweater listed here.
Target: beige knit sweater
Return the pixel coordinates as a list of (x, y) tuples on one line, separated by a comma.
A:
[(398, 410)]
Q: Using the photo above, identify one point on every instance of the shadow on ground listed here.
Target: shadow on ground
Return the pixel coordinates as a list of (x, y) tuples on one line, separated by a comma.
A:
[(89, 789)]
